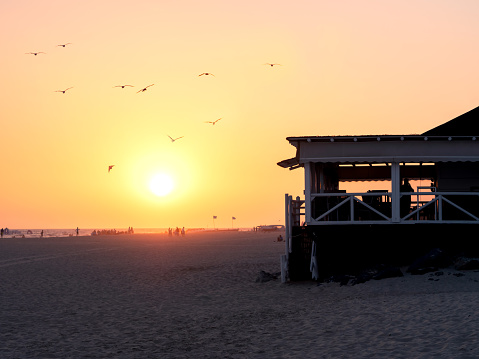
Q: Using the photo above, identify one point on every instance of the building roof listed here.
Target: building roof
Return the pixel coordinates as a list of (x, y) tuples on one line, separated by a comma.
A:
[(466, 124), (454, 140)]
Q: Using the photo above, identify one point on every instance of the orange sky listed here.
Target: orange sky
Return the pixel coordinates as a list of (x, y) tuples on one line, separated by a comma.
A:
[(348, 67)]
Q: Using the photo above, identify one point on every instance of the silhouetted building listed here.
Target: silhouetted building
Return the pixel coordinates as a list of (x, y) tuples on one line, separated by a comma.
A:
[(331, 229)]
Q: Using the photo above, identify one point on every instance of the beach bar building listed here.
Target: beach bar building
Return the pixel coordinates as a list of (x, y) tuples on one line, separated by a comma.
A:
[(424, 194)]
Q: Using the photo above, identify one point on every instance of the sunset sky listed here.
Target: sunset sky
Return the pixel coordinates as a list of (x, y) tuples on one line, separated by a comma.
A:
[(347, 68)]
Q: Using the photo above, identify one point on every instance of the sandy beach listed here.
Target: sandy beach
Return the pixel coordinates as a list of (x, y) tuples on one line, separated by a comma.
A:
[(154, 296)]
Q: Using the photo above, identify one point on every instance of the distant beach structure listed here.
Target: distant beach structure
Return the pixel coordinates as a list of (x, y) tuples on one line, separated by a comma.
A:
[(330, 229), (269, 228)]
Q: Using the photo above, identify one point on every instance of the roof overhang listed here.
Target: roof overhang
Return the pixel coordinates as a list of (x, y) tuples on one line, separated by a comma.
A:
[(383, 149), (290, 163)]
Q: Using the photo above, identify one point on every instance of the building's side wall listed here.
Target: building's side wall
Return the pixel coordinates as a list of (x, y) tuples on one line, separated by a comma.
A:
[(458, 176)]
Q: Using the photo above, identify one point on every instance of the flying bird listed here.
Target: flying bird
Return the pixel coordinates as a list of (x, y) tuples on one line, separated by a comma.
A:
[(63, 91), (213, 122), (110, 167), (270, 64), (34, 53), (144, 89), (174, 139), (63, 45), (123, 86), (206, 73)]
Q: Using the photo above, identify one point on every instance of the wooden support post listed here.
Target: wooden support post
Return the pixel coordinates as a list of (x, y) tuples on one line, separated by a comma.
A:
[(287, 238), (313, 264), (284, 268)]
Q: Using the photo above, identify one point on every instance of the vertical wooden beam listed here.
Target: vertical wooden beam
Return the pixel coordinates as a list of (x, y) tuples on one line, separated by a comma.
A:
[(307, 192), (287, 238), (287, 221), (351, 208), (440, 204), (290, 242), (314, 180), (321, 178), (395, 192)]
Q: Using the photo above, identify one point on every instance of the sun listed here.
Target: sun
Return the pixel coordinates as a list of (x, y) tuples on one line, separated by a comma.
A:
[(161, 184)]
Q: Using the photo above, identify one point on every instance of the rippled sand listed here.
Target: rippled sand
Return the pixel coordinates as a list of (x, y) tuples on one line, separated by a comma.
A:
[(154, 296)]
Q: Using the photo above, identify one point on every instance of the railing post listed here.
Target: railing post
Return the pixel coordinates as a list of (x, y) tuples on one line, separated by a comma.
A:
[(307, 192), (396, 192), (297, 212), (287, 222), (287, 238), (440, 207), (351, 213)]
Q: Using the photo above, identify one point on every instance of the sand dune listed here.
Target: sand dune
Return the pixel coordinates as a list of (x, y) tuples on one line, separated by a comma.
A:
[(154, 296)]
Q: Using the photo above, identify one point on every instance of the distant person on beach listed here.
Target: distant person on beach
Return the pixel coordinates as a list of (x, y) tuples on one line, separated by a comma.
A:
[(41, 234), (78, 231), (183, 231), (1, 233)]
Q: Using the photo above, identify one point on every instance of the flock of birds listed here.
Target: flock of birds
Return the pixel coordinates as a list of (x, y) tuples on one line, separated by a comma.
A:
[(141, 90)]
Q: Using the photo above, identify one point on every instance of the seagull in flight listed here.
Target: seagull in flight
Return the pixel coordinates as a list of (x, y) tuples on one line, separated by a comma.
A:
[(174, 139), (34, 53), (63, 45), (110, 167), (270, 64), (144, 89), (123, 86), (206, 73), (63, 91), (213, 122)]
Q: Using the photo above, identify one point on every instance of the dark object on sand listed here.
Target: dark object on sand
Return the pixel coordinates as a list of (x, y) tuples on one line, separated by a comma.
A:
[(388, 272), (430, 262), (342, 279), (378, 273), (467, 264), (266, 277)]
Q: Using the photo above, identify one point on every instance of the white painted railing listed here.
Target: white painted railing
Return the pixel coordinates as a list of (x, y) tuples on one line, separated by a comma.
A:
[(428, 207), (294, 212), (351, 208)]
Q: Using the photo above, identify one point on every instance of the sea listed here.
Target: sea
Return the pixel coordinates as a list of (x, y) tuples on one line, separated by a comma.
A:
[(70, 232)]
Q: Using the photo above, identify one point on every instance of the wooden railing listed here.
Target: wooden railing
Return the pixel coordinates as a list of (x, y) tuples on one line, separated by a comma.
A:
[(375, 208), (378, 208), (294, 217)]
